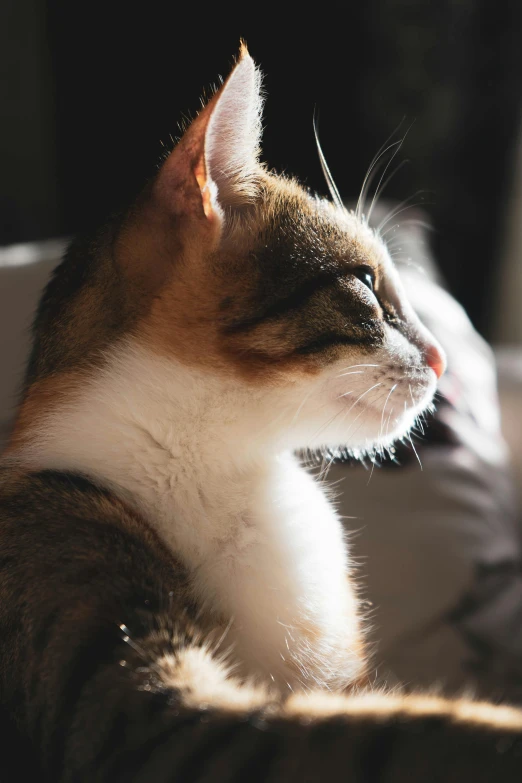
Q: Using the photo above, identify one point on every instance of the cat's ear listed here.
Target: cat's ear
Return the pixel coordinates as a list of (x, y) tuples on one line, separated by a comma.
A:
[(215, 165)]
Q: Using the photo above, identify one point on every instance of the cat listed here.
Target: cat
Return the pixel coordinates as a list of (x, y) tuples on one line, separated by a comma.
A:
[(177, 597)]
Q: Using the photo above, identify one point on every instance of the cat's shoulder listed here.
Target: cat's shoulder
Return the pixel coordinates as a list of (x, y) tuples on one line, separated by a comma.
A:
[(49, 506)]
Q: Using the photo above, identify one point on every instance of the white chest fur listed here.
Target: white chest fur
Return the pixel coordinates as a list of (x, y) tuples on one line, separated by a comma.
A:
[(263, 544), (271, 561)]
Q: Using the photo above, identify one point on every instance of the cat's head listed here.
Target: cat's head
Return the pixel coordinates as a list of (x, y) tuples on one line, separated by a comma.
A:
[(287, 308)]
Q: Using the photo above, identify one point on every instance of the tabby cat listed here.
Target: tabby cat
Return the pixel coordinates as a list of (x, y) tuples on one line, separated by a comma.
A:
[(176, 594)]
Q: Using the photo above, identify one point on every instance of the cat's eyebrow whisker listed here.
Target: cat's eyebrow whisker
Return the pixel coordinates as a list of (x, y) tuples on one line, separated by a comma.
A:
[(408, 262), (401, 207), (372, 173), (378, 155), (332, 187), (378, 191), (390, 228), (395, 210), (417, 222), (388, 179)]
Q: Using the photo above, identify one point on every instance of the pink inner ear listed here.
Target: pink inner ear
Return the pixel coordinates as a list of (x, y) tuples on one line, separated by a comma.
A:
[(182, 185), (201, 178)]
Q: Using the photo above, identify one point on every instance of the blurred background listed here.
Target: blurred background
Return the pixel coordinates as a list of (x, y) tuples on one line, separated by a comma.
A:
[(89, 92)]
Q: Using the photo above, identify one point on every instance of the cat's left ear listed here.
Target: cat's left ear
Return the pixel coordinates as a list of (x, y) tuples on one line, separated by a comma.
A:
[(215, 166)]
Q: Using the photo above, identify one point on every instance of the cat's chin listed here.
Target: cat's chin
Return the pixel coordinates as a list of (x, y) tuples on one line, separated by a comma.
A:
[(368, 426), (369, 440)]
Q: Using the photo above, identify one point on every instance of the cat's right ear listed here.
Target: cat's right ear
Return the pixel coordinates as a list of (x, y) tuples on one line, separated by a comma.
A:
[(214, 168)]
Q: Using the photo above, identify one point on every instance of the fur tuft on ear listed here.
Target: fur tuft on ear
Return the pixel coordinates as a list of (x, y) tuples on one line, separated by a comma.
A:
[(233, 134)]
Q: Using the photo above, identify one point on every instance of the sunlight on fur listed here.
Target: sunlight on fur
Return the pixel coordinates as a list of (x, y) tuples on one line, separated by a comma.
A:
[(274, 321), (179, 596)]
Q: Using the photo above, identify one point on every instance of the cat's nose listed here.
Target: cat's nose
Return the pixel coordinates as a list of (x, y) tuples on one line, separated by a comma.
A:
[(436, 359)]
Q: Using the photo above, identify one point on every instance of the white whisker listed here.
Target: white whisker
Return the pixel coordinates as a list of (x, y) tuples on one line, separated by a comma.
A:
[(388, 179), (371, 471), (332, 187), (401, 207), (415, 450), (390, 228), (382, 424), (325, 426), (223, 636), (384, 408), (351, 367), (298, 411), (362, 395), (378, 190), (378, 155), (388, 422), (372, 173), (351, 432), (360, 372)]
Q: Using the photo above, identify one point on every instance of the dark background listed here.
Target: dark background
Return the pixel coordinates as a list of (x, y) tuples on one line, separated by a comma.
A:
[(90, 90)]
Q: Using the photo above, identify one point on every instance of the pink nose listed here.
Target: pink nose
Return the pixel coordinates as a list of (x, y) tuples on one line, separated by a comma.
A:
[(436, 360)]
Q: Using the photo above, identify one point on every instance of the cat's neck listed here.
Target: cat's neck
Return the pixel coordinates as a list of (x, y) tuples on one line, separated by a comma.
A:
[(158, 433), (263, 544)]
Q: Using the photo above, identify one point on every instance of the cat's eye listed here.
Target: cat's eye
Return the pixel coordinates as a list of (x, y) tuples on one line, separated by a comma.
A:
[(366, 275)]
